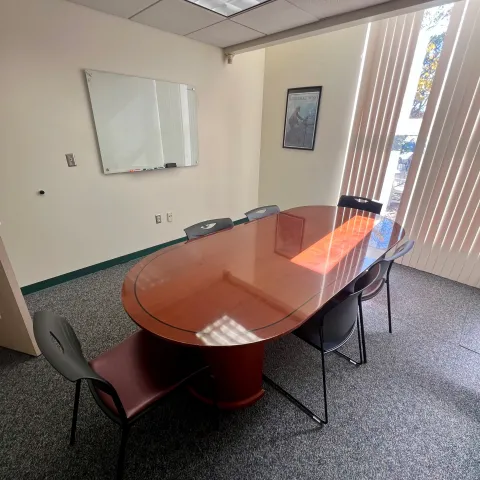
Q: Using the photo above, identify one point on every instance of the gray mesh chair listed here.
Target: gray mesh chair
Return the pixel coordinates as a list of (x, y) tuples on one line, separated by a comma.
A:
[(262, 212), (127, 381), (208, 227), (330, 328), (384, 278), (360, 203)]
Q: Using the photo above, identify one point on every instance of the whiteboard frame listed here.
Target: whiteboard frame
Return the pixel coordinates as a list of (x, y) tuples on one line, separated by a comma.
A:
[(88, 75)]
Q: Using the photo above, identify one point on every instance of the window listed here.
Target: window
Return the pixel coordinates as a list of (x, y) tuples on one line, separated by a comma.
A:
[(427, 53)]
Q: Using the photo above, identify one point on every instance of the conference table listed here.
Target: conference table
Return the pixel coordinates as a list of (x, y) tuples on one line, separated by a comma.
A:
[(229, 293)]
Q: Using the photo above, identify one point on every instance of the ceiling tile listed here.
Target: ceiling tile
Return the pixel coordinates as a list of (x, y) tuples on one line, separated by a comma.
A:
[(274, 17), (177, 16), (225, 33), (121, 8), (328, 8)]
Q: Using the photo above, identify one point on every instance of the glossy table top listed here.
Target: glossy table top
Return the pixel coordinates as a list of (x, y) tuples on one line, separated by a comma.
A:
[(258, 280)]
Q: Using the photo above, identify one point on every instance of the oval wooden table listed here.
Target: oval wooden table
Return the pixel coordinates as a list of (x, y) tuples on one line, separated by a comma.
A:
[(230, 292)]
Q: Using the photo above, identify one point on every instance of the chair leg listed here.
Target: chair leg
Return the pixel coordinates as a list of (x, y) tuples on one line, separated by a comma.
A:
[(293, 400), (324, 377), (389, 307), (121, 455), (346, 357), (78, 386), (215, 402), (359, 340), (362, 331), (357, 363), (296, 402)]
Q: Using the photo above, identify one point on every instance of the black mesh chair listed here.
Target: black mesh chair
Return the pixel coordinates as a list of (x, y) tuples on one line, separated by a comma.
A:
[(208, 227), (126, 381), (360, 203), (261, 212), (329, 329), (384, 277)]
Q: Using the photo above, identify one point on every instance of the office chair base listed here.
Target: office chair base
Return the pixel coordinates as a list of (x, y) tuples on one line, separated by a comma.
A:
[(293, 400)]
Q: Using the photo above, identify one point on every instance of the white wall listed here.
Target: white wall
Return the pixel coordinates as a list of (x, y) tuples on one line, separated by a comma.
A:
[(87, 217), (291, 178)]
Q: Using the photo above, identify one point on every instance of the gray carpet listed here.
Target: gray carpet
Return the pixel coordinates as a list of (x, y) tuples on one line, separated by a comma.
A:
[(413, 412)]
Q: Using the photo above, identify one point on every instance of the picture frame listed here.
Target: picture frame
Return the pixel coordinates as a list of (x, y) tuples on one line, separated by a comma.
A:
[(301, 117)]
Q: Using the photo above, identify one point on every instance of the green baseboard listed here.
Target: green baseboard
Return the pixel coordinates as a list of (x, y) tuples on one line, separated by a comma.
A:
[(50, 282)]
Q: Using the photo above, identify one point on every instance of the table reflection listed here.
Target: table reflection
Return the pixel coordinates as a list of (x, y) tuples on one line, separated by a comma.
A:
[(327, 252), (226, 331)]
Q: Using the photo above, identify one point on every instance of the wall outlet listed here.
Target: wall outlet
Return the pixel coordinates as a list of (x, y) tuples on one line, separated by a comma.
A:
[(158, 218), (70, 159), (169, 217)]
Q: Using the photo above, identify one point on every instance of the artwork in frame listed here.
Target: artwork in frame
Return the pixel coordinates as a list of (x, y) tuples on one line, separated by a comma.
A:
[(301, 116)]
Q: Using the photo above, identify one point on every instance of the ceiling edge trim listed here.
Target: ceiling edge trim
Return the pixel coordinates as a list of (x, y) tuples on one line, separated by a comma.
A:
[(337, 22)]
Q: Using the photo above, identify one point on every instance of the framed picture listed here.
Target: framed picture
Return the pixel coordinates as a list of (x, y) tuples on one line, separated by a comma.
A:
[(301, 115)]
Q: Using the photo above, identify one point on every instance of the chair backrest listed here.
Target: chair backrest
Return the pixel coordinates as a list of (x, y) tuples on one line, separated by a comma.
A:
[(208, 227), (340, 314), (360, 203), (261, 212), (387, 262), (60, 346), (402, 250)]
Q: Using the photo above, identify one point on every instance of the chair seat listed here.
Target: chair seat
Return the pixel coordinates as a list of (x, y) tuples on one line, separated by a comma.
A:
[(143, 369), (310, 330), (312, 336), (373, 289)]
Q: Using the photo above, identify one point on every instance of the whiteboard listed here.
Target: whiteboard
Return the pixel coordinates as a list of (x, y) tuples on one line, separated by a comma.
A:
[(143, 124)]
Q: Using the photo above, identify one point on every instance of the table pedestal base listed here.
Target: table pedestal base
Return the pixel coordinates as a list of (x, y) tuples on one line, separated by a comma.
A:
[(238, 376)]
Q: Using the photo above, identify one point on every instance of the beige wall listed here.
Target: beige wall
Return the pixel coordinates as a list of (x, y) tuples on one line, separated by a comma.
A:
[(291, 177), (87, 217)]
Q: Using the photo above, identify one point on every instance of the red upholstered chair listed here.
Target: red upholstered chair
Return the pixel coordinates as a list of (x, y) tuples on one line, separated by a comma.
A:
[(126, 381)]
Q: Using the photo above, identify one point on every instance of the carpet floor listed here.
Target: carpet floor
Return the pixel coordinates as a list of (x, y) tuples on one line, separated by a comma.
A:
[(412, 412)]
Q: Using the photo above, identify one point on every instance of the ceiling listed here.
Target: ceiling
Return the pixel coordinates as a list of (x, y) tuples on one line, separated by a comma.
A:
[(193, 21)]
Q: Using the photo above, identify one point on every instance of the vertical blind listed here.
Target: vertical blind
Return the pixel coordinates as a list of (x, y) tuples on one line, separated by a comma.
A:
[(388, 58), (440, 206)]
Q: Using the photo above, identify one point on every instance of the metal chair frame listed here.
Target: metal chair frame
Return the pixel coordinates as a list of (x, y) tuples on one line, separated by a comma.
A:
[(61, 347), (386, 265), (363, 282)]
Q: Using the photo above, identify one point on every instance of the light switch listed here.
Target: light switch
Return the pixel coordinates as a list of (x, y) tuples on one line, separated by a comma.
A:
[(70, 159)]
